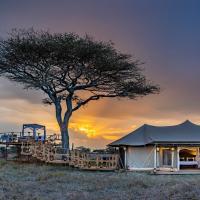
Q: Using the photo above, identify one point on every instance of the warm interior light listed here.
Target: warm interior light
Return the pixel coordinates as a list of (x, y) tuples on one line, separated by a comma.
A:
[(157, 149)]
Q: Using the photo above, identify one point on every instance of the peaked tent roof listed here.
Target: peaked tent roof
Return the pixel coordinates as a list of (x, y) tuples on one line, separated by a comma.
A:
[(187, 132)]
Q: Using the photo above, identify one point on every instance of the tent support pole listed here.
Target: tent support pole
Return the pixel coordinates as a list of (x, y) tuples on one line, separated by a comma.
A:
[(155, 158), (172, 164), (178, 159), (125, 161)]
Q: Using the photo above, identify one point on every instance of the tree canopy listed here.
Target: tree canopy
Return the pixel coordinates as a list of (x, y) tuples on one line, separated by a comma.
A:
[(71, 69)]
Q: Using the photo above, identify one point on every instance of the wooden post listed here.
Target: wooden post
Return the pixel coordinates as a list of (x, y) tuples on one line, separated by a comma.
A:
[(6, 151), (97, 161)]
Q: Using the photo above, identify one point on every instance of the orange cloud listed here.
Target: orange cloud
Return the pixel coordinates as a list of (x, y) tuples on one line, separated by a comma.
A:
[(97, 124)]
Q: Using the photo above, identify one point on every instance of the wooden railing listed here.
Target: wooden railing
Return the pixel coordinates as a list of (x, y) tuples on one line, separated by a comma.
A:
[(51, 153)]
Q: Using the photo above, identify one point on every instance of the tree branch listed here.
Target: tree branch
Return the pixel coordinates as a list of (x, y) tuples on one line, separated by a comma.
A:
[(91, 98)]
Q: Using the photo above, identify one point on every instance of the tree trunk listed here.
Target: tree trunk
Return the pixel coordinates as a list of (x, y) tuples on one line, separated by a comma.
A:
[(63, 123), (65, 136)]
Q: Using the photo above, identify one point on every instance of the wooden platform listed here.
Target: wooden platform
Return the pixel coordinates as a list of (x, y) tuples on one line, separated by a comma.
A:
[(99, 169), (61, 162), (49, 152), (180, 172), (11, 143)]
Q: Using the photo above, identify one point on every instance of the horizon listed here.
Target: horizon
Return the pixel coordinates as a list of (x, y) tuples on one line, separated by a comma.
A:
[(163, 34)]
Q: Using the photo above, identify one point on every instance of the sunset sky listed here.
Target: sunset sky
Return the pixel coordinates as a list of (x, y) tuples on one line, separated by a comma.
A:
[(165, 34)]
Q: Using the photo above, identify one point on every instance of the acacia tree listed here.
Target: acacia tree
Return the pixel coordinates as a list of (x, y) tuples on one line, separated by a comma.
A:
[(71, 69)]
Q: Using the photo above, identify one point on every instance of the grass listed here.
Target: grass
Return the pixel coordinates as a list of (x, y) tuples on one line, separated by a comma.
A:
[(44, 182)]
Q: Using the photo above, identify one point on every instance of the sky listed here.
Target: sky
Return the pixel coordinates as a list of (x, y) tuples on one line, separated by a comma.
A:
[(162, 33)]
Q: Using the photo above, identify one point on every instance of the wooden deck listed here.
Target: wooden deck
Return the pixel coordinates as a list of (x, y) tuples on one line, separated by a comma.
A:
[(11, 143), (48, 152), (180, 172)]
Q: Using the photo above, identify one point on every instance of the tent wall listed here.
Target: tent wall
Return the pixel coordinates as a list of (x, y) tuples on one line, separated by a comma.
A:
[(143, 158), (140, 157), (147, 157)]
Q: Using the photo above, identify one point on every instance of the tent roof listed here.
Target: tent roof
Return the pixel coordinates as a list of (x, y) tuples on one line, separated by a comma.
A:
[(38, 126), (186, 132)]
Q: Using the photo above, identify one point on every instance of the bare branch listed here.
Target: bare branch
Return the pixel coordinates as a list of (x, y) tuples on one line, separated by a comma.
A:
[(91, 98)]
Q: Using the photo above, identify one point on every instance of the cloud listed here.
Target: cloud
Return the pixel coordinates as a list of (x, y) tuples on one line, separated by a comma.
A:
[(11, 90), (168, 43)]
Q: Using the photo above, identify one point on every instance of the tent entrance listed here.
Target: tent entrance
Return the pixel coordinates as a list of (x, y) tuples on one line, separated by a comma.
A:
[(167, 157), (122, 157)]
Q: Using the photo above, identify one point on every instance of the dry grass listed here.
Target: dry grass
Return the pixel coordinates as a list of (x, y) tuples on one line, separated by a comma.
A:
[(42, 182)]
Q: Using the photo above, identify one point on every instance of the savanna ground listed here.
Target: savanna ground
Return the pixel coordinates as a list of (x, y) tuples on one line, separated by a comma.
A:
[(42, 182)]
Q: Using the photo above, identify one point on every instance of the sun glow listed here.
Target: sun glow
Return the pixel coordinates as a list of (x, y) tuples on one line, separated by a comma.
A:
[(90, 132), (84, 128), (98, 129)]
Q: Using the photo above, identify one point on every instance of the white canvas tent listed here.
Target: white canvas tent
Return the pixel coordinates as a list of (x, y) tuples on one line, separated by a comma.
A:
[(153, 147)]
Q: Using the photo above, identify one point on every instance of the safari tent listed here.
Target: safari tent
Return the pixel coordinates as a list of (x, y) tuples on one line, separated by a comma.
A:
[(165, 147)]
